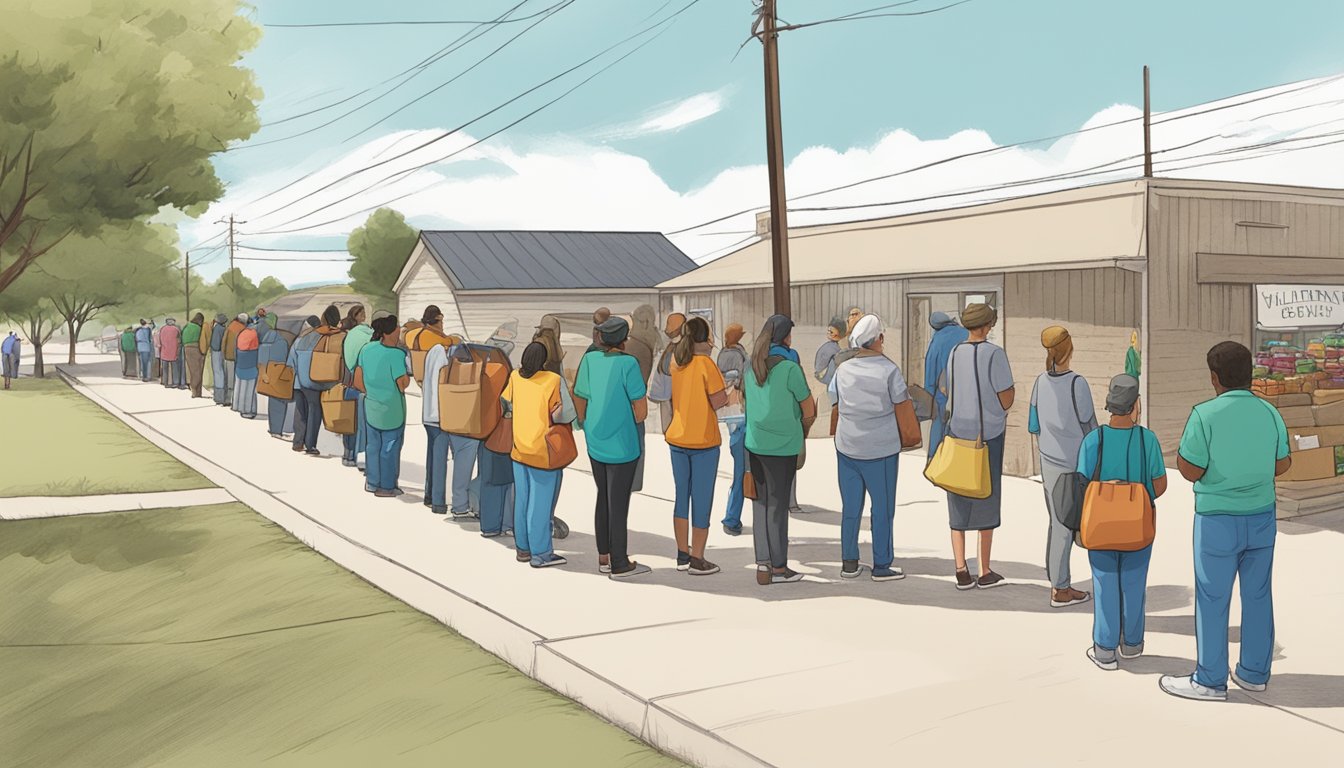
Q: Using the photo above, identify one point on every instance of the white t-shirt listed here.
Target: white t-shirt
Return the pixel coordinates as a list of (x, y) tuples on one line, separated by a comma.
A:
[(429, 391), (866, 389), (995, 376)]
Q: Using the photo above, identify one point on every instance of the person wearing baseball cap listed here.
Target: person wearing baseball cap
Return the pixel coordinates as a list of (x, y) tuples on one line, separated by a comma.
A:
[(1129, 453)]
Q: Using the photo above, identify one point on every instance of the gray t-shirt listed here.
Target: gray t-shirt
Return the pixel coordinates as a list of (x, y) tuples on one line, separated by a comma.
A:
[(995, 377), (865, 389), (1062, 405)]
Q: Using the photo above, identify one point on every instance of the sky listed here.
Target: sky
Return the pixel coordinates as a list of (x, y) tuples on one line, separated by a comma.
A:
[(672, 135)]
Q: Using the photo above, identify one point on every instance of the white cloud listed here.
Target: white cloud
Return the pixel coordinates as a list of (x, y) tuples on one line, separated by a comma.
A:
[(672, 116), (572, 185)]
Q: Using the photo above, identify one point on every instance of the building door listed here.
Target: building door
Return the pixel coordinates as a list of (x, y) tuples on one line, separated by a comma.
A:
[(917, 337)]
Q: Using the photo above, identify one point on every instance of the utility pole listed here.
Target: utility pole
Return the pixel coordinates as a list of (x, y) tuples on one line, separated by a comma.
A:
[(1147, 129), (774, 141), (233, 276), (186, 285)]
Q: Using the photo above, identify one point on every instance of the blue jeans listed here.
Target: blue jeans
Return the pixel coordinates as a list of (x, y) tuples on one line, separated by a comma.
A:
[(694, 471), (145, 357), (494, 484), (436, 466), (464, 450), (1228, 547), (534, 496), (876, 477), (276, 410), (1120, 581), (355, 444), (385, 457), (737, 439)]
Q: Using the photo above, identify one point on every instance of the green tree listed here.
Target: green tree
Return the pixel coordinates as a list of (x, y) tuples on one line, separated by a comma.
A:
[(380, 249), (26, 304), (269, 289), (113, 111)]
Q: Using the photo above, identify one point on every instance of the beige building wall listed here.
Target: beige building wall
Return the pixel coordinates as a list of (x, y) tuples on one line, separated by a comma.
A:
[(427, 284)]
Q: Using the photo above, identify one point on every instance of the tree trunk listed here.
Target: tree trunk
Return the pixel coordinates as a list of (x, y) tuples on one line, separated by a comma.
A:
[(39, 370), (74, 337)]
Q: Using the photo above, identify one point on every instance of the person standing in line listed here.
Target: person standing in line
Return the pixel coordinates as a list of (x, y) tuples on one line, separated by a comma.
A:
[(733, 366), (946, 336), (1129, 453), (600, 316), (874, 421), (786, 351), (779, 410), (463, 451), (1061, 415), (308, 393), (162, 370), (439, 445), (242, 319), (660, 382), (357, 334), (169, 348), (823, 366), (982, 391), (193, 357), (128, 355), (144, 347), (9, 357), (1133, 360), (1233, 447), (548, 335), (231, 332), (218, 367), (609, 397), (534, 395), (297, 422), (382, 373), (855, 314), (698, 392), (273, 349), (245, 369), (640, 344)]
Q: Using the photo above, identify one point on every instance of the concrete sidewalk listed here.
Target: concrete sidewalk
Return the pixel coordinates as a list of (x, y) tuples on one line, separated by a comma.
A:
[(29, 507), (825, 672)]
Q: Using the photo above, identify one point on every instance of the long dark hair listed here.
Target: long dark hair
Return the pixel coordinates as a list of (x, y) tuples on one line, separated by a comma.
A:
[(534, 359), (695, 331), (331, 316), (776, 329), (383, 326), (431, 316), (351, 317)]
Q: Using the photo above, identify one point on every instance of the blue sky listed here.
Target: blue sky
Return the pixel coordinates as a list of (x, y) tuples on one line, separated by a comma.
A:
[(1014, 69)]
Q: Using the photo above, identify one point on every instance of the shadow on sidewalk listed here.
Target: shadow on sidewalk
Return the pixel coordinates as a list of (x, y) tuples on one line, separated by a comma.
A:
[(1323, 521), (1286, 690)]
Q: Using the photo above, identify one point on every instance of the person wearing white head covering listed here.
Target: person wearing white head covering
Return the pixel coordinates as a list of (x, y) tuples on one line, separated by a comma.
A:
[(873, 420)]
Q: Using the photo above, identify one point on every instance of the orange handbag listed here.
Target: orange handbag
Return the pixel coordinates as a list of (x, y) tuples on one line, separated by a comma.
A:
[(1118, 515), (561, 450)]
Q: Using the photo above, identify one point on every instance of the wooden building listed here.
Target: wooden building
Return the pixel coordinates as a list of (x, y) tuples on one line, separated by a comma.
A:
[(1176, 262)]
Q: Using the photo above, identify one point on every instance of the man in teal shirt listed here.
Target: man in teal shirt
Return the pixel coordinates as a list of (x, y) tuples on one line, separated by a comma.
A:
[(1233, 447), (609, 394)]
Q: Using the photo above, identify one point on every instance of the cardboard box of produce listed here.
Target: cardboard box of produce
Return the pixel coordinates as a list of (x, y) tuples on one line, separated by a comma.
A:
[(1293, 401), (1315, 464), (1327, 396), (1331, 415), (1328, 436), (1302, 415)]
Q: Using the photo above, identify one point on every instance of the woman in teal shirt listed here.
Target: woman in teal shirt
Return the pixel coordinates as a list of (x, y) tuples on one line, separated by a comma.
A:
[(779, 409), (382, 373)]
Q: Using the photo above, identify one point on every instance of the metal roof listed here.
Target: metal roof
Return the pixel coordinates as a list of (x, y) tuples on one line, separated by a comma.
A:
[(528, 260)]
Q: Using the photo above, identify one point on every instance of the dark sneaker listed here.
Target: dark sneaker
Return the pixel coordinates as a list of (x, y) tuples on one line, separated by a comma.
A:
[(522, 556), (439, 510), (795, 510), (731, 530), (384, 494), (1103, 658), (702, 567), (1063, 598), (461, 513), (398, 492), (1133, 651), (850, 569), (313, 452), (351, 463), (635, 569), (787, 577), (553, 560), (990, 580), (298, 449), (965, 580), (683, 561), (489, 534), (888, 574)]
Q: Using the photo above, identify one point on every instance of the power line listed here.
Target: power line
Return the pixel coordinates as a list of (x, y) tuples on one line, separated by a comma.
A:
[(461, 22), (301, 261), (857, 17), (293, 250), (446, 134)]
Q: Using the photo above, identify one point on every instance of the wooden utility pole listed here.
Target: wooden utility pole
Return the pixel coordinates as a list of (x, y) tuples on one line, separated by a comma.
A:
[(233, 276), (186, 285), (1147, 129), (774, 142)]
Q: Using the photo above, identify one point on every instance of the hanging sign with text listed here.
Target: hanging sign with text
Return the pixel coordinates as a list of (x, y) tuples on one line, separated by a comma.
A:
[(1299, 306)]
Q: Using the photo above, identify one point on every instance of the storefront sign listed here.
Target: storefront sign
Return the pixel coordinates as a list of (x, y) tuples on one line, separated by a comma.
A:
[(1299, 306)]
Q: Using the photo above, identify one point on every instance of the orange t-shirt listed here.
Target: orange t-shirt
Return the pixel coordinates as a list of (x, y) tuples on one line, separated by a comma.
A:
[(694, 423), (533, 401)]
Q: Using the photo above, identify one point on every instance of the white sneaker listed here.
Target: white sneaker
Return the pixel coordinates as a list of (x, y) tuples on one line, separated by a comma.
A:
[(1245, 686), (1110, 665), (1187, 688)]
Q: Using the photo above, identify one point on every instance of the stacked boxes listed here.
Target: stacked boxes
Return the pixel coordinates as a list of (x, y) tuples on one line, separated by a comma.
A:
[(1315, 482)]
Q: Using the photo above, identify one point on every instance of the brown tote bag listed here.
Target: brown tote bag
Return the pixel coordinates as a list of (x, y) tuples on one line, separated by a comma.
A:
[(325, 367), (277, 381), (1118, 515)]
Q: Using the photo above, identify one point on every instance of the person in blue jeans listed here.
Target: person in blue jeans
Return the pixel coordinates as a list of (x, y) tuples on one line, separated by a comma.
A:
[(382, 373), (732, 363), (534, 397), (144, 346), (698, 391), (1233, 447), (873, 420), (1131, 453)]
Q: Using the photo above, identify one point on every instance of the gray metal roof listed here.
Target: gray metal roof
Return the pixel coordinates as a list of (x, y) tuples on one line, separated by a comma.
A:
[(526, 260)]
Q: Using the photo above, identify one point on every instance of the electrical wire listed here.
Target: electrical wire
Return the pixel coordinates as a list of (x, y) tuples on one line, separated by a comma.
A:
[(856, 17), (301, 261), (293, 250), (459, 22)]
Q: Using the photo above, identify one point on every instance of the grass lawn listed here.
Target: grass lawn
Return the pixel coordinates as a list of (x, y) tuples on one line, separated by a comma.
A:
[(57, 443), (209, 637)]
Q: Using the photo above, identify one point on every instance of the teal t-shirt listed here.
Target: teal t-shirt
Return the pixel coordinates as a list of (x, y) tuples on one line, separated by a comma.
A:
[(384, 403), (610, 382), (355, 339), (1237, 438), (774, 418), (1133, 455)]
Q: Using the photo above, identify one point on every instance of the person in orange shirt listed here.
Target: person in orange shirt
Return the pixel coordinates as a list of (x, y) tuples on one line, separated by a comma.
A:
[(698, 391), (535, 397)]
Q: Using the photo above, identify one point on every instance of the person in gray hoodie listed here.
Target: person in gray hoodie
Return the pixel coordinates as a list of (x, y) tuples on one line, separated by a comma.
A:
[(221, 385)]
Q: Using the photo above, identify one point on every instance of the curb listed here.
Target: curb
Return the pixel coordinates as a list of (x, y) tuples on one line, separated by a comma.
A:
[(516, 644)]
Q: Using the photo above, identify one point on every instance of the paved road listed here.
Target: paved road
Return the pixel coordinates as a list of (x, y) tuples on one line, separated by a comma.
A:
[(825, 672)]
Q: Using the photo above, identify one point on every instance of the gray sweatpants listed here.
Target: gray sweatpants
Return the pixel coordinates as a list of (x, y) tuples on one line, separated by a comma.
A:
[(1059, 540), (774, 477)]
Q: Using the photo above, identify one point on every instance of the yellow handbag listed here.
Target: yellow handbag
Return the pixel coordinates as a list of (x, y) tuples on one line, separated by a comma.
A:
[(962, 466)]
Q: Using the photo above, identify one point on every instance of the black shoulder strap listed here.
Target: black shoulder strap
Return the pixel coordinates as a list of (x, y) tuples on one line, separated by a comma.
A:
[(771, 362), (979, 397), (1073, 391), (1101, 451)]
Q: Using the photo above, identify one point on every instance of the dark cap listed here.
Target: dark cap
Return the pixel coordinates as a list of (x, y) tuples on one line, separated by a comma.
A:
[(614, 331), (1122, 394)]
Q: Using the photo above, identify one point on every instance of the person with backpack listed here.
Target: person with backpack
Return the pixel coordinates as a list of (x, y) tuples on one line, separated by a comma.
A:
[(534, 395), (609, 395), (732, 364), (274, 349), (219, 367), (1061, 415), (779, 410), (1121, 451), (698, 392), (981, 390), (307, 391), (440, 444), (236, 326), (246, 359), (357, 334), (873, 420), (947, 334), (382, 373), (9, 357)]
